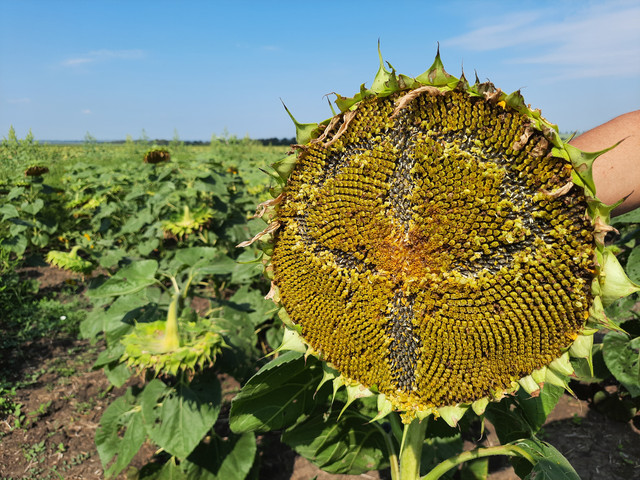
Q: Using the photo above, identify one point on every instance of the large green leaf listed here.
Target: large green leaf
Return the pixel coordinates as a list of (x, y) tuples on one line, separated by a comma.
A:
[(121, 434), (130, 279), (220, 265), (193, 255), (630, 217), (248, 267), (279, 395), (109, 360), (347, 445), (135, 223), (521, 416), (509, 421), (33, 207), (8, 211), (633, 265), (239, 360), (549, 464), (229, 459), (536, 409), (622, 356), (204, 260), (583, 370), (621, 309), (176, 418), (436, 449), (118, 319), (250, 303)]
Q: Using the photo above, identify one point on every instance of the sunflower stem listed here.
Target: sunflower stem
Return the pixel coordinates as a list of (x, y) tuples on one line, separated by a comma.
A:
[(445, 466), (186, 215), (411, 449), (391, 450), (171, 336)]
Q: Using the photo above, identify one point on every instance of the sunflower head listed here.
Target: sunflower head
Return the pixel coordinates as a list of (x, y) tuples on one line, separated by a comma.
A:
[(157, 155), (36, 171), (188, 222), (438, 243), (70, 261), (146, 347)]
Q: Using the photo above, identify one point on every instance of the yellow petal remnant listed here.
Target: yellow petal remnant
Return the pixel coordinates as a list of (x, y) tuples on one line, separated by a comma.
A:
[(431, 242)]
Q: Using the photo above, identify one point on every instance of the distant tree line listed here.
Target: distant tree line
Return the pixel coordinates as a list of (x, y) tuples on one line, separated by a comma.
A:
[(263, 141)]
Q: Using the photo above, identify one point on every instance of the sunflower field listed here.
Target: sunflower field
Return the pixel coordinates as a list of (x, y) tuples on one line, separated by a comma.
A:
[(430, 263)]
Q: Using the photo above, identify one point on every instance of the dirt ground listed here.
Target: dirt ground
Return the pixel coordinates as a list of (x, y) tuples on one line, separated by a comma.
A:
[(65, 398)]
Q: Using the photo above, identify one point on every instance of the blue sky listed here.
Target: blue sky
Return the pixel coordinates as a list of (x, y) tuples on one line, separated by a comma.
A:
[(113, 68)]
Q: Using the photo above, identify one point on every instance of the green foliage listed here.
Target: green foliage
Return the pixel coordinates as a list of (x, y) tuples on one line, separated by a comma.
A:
[(622, 356), (110, 210), (27, 317), (177, 417), (621, 351), (280, 395), (115, 212), (139, 307), (339, 444)]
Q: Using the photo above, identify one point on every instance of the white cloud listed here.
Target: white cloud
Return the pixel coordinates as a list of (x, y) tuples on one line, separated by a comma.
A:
[(86, 111), (103, 55), (602, 40)]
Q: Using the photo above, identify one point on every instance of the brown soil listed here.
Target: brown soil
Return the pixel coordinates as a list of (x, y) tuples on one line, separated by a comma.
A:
[(64, 400)]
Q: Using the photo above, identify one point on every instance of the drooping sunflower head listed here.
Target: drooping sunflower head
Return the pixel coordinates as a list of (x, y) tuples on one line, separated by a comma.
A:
[(188, 222), (36, 171), (156, 155), (438, 243)]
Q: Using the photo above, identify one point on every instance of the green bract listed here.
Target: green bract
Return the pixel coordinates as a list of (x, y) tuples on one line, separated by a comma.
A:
[(70, 261), (149, 347)]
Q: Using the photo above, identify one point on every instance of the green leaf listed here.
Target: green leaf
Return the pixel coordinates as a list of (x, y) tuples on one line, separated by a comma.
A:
[(135, 223), (251, 303), (278, 396), (437, 448), (521, 416), (204, 260), (130, 279), (34, 207), (176, 418), (17, 244), (621, 309), (633, 265), (348, 445), (110, 258), (550, 464), (145, 248), (8, 211), (536, 409), (630, 217), (194, 255), (583, 370), (229, 459), (169, 471), (475, 470), (118, 319), (622, 356), (117, 373), (109, 360), (240, 359), (247, 268), (120, 435)]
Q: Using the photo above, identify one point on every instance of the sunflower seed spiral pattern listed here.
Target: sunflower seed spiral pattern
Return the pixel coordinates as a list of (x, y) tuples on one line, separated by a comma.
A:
[(435, 248)]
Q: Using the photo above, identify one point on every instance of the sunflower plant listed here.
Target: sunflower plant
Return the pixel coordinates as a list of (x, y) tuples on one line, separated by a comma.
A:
[(438, 255), (146, 314)]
